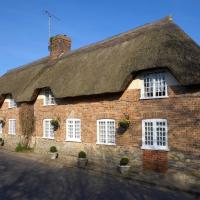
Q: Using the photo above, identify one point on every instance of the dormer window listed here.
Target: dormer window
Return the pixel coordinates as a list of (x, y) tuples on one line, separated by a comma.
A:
[(154, 85), (49, 99), (12, 103)]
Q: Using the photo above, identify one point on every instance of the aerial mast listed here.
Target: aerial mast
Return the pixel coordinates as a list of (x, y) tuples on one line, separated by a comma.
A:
[(50, 16)]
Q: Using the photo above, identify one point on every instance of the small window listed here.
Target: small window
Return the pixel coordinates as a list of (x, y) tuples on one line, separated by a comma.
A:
[(48, 129), (106, 131), (73, 127), (154, 134), (12, 103), (48, 98), (154, 86), (12, 126)]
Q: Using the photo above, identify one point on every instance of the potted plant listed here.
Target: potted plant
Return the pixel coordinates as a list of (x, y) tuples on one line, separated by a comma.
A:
[(55, 124), (82, 159), (123, 125), (53, 152), (123, 166), (2, 121), (1, 142)]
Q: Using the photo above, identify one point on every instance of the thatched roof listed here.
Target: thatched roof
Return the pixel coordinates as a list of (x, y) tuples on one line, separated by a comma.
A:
[(108, 66)]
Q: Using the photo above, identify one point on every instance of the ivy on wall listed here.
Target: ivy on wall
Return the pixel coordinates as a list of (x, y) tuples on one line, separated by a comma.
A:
[(26, 120)]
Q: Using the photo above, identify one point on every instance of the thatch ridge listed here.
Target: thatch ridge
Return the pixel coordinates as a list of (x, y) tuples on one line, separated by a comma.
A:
[(107, 66)]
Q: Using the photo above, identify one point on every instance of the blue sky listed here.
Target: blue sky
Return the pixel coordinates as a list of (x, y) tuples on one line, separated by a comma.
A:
[(24, 29)]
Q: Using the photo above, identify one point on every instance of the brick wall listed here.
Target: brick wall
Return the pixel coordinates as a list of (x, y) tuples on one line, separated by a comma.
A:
[(6, 114), (182, 110)]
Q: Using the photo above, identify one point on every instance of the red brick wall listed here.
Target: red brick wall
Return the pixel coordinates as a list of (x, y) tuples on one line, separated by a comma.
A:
[(181, 109), (155, 161)]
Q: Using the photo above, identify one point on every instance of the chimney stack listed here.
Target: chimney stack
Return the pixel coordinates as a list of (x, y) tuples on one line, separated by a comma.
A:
[(59, 45)]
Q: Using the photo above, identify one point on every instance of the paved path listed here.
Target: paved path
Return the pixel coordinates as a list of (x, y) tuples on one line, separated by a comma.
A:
[(25, 179)]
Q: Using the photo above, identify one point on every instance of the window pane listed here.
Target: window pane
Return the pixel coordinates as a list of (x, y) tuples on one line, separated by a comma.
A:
[(155, 85), (74, 129), (106, 131), (70, 128), (148, 87), (161, 133), (77, 129), (47, 129), (148, 133), (160, 85), (111, 132), (49, 98), (102, 131), (12, 126)]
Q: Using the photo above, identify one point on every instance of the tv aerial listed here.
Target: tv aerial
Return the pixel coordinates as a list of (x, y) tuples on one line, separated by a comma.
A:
[(50, 17)]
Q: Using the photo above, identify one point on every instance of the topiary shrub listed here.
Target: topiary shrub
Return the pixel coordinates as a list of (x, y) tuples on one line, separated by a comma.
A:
[(124, 161), (81, 154), (53, 149)]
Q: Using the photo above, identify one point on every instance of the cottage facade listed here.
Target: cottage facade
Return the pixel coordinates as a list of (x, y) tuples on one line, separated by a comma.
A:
[(149, 76)]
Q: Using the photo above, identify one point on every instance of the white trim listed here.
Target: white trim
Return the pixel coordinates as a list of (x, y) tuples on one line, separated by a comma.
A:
[(164, 97), (11, 130), (45, 137), (13, 105), (98, 139), (50, 96), (73, 139), (154, 146), (153, 77)]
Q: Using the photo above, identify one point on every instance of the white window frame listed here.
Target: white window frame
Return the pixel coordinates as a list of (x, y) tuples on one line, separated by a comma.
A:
[(98, 139), (44, 129), (11, 130), (49, 99), (73, 139), (153, 76), (12, 103), (154, 146)]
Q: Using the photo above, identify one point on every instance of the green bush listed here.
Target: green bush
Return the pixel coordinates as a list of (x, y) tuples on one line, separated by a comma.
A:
[(124, 161), (82, 154), (55, 124), (124, 123), (22, 148), (53, 149)]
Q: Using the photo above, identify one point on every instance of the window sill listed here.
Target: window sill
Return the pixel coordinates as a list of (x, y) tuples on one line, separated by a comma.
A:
[(12, 134), (108, 144), (146, 98), (12, 107), (154, 148), (49, 105), (49, 138), (70, 140)]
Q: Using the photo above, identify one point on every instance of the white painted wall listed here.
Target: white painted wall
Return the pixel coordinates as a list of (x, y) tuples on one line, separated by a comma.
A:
[(137, 82)]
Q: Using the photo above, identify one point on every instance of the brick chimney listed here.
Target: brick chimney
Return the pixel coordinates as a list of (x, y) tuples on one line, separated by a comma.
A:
[(59, 44)]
